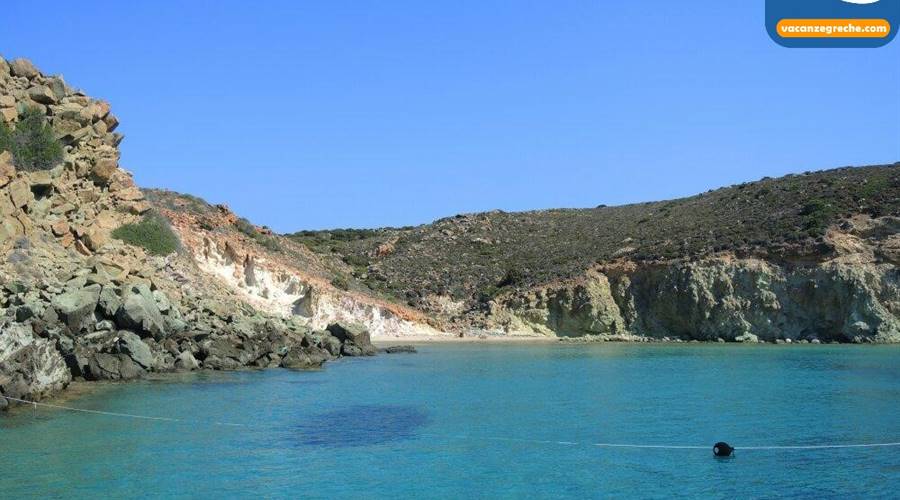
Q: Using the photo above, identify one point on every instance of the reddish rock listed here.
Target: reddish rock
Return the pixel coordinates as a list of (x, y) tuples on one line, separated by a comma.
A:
[(60, 228)]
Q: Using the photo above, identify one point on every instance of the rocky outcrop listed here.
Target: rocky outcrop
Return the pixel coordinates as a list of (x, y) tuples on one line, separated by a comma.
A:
[(78, 304), (852, 298)]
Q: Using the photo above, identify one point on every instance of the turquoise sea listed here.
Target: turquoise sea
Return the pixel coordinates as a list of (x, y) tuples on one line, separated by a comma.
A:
[(482, 421)]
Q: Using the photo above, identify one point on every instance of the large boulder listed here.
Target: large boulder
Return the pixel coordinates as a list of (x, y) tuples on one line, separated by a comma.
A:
[(132, 345), (109, 302), (112, 366), (20, 193), (23, 67), (42, 94), (354, 338), (350, 332), (104, 170), (139, 312), (299, 358), (186, 362), (76, 308), (30, 367)]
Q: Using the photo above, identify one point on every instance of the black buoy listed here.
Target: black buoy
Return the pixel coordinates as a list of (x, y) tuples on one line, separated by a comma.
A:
[(723, 450)]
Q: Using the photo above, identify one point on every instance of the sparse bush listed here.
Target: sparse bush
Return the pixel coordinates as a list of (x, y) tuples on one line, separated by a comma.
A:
[(356, 260), (817, 215), (244, 226), (247, 228), (488, 293), (513, 277), (31, 142), (340, 282), (152, 233)]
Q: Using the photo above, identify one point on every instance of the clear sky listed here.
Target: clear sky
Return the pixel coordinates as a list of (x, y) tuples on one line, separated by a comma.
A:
[(361, 113)]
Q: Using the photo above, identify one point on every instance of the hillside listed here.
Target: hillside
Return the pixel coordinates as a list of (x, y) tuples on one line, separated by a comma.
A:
[(471, 257), (99, 281)]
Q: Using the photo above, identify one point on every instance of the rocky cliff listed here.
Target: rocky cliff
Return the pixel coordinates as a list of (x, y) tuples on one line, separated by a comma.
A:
[(76, 302)]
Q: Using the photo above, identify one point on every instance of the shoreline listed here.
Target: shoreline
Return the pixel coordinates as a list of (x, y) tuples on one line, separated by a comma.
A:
[(543, 340), (78, 389)]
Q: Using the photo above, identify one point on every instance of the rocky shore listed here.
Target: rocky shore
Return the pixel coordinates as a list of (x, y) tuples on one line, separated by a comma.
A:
[(76, 303)]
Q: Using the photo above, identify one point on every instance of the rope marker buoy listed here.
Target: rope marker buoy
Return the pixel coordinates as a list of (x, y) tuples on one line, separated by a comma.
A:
[(723, 450)]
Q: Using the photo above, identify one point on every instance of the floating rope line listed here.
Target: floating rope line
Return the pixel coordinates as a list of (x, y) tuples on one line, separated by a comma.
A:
[(35, 404), (125, 415)]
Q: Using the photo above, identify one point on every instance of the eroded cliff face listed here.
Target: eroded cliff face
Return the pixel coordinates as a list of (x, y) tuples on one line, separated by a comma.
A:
[(854, 297), (281, 289)]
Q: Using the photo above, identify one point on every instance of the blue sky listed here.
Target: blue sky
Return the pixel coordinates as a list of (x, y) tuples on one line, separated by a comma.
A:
[(304, 115)]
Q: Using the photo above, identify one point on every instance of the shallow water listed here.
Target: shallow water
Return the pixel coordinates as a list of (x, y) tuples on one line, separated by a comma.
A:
[(482, 421)]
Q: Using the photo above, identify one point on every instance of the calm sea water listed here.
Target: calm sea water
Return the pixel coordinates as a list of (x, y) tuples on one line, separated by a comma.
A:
[(467, 421)]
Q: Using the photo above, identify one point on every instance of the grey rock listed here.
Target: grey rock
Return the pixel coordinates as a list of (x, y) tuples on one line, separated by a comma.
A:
[(299, 358), (112, 366), (186, 362), (748, 338), (217, 363), (76, 309), (395, 349), (139, 312), (30, 367), (109, 302), (350, 332), (136, 349), (330, 344)]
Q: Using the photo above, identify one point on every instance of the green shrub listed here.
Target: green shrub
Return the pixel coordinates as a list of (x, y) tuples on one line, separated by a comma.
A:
[(340, 282), (31, 142), (817, 214), (244, 226), (152, 233)]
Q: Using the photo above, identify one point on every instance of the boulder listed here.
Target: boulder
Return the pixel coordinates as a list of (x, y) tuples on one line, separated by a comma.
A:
[(112, 366), (58, 87), (23, 67), (7, 170), (354, 338), (396, 349), (95, 237), (8, 114), (60, 227), (42, 94), (132, 345), (222, 348), (104, 170), (30, 367), (350, 332), (329, 343), (747, 338), (109, 302), (139, 312), (20, 193), (186, 362), (76, 308), (299, 358)]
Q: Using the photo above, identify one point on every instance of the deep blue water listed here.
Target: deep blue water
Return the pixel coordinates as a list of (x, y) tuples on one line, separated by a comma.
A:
[(469, 421)]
